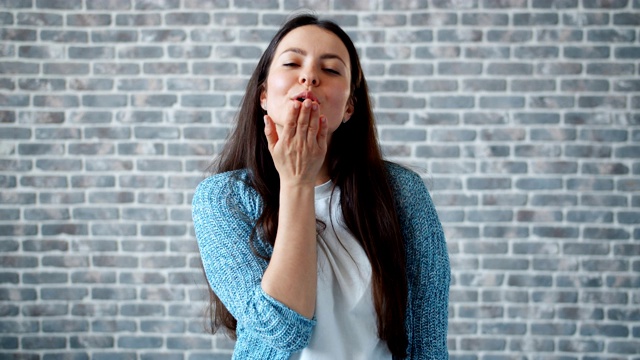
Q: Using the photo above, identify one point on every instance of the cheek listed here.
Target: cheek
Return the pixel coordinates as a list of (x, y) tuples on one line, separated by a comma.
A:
[(277, 86)]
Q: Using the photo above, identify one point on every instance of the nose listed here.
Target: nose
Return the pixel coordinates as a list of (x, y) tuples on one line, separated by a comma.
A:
[(309, 78)]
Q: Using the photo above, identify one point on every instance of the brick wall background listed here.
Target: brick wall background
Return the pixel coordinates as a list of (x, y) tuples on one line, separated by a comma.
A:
[(522, 114)]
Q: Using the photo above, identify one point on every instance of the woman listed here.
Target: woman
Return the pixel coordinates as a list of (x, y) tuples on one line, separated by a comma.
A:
[(314, 247)]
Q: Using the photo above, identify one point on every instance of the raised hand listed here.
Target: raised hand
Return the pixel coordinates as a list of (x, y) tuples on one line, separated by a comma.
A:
[(299, 148)]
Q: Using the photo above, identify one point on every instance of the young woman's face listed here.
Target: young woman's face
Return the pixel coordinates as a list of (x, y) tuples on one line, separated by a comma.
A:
[(309, 62)]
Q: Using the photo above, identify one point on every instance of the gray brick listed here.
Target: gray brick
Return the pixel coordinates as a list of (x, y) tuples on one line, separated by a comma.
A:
[(486, 312), (388, 52), (608, 102), (437, 52), (119, 294), (15, 133), (187, 18), (48, 117), (44, 181), (147, 246), (106, 101), (433, 85), (623, 347), (453, 135), (451, 102), (66, 68), (611, 36), (483, 19), (190, 52), (96, 214), (111, 197), (6, 18), (535, 19), (215, 36), (163, 230), (139, 19), (592, 52), (41, 52), (471, 118), (227, 18), (483, 344), (459, 35), (437, 151), (485, 52), (61, 198), (169, 35), (91, 52), (15, 34), (627, 85), (88, 20), (64, 36), (626, 19), (116, 69), (585, 19), (108, 165), (459, 68), (90, 117), (160, 198), (91, 342), (486, 151), (589, 216), (93, 277), (153, 100), (46, 214), (483, 85), (43, 342), (7, 84), (606, 233), (118, 36), (509, 36), (183, 343), (14, 100), (488, 183)]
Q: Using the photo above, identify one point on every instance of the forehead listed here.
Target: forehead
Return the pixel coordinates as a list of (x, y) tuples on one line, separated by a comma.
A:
[(315, 41)]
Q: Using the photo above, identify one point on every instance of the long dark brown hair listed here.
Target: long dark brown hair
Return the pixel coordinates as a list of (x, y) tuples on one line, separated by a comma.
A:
[(355, 166)]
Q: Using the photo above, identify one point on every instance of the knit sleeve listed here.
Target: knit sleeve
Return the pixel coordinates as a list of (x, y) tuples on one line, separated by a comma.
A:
[(224, 210), (428, 269)]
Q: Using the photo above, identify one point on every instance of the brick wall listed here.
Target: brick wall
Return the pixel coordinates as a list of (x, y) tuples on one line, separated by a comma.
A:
[(523, 115)]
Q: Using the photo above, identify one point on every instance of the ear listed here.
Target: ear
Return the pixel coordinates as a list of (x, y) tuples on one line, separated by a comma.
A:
[(348, 112), (263, 99)]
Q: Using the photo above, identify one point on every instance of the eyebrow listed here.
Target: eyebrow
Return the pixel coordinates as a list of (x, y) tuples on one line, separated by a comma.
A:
[(322, 57)]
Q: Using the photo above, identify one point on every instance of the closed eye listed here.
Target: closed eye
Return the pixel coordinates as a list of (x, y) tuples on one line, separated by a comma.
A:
[(332, 71), (290, 64)]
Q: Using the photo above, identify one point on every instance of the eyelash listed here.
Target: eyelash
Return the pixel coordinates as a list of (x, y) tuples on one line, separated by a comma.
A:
[(331, 71)]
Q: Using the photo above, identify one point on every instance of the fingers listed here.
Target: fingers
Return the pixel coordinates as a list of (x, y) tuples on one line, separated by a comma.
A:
[(303, 125), (270, 132), (308, 112), (291, 122), (323, 132)]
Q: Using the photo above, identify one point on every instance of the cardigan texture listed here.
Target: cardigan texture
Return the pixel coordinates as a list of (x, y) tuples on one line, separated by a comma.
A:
[(224, 211)]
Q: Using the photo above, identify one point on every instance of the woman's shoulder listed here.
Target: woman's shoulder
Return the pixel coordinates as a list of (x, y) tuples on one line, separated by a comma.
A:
[(224, 187), (403, 178), (223, 182)]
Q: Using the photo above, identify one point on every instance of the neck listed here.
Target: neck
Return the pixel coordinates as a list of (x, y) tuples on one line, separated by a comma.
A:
[(323, 174)]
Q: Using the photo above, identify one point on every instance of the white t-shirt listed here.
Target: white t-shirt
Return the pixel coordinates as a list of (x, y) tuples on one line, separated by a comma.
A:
[(346, 319)]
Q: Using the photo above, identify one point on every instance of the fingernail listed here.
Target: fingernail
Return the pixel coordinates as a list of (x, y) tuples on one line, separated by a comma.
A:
[(315, 107), (307, 104), (296, 105)]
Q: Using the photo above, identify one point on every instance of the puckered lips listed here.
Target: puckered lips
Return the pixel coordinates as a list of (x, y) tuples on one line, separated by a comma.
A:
[(306, 95)]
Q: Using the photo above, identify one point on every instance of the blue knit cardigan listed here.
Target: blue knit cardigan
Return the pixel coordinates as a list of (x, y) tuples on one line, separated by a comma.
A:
[(225, 208)]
